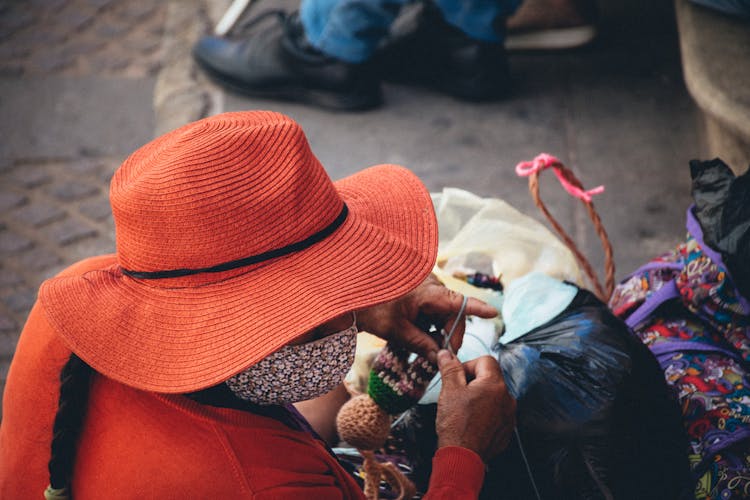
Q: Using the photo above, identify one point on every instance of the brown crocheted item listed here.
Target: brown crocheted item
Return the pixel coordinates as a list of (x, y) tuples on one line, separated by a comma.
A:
[(365, 421), (363, 424)]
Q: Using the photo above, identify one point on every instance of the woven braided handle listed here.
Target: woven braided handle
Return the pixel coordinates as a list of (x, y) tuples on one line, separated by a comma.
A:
[(573, 186)]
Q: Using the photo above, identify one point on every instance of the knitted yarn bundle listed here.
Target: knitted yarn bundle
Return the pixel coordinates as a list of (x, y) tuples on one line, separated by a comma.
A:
[(395, 385)]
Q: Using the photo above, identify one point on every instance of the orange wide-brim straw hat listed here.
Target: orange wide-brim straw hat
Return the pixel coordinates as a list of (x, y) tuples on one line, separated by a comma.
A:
[(233, 241)]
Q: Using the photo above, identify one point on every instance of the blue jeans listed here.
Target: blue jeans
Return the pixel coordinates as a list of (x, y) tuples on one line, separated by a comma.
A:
[(351, 30)]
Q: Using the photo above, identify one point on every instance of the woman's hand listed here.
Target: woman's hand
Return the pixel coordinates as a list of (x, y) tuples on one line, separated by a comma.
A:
[(475, 409), (396, 321)]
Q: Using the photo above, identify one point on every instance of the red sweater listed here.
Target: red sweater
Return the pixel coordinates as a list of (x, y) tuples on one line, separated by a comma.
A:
[(137, 444)]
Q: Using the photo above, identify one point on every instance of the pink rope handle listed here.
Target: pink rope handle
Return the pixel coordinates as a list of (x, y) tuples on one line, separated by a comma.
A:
[(574, 187), (544, 161)]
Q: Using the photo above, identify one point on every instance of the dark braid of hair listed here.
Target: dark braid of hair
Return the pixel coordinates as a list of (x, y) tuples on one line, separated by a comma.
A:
[(75, 379)]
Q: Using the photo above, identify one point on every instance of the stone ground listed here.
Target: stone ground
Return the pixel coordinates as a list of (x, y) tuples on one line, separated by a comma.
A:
[(85, 82), (81, 37), (76, 84)]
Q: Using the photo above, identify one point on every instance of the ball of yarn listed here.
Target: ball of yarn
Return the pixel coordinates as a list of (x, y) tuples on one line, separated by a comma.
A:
[(363, 424)]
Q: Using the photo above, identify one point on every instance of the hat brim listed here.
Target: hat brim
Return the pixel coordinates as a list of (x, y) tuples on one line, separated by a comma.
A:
[(177, 340)]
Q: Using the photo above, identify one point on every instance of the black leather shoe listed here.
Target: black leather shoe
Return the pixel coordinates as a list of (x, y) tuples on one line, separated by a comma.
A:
[(277, 62), (438, 55)]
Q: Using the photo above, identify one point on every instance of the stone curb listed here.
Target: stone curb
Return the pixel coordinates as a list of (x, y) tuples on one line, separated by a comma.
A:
[(182, 94), (713, 47)]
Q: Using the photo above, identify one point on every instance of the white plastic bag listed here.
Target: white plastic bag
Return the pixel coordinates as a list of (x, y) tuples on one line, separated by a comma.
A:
[(489, 236), (513, 243)]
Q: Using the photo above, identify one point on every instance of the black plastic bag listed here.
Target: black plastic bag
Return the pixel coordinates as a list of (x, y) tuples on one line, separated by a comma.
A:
[(722, 207), (595, 418)]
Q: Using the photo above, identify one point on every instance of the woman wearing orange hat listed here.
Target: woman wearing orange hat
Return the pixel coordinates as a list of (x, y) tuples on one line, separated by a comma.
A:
[(241, 276)]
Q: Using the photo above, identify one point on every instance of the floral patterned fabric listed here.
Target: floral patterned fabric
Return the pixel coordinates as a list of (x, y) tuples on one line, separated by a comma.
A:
[(298, 372), (685, 308)]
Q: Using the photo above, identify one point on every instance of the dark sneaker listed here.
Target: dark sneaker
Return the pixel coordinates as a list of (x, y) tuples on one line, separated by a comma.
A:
[(438, 55), (277, 62)]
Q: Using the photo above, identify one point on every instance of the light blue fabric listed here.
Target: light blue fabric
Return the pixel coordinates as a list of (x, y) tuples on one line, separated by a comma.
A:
[(351, 30), (479, 338), (531, 301)]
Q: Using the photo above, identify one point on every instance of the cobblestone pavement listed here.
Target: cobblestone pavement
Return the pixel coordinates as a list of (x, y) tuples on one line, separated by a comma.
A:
[(51, 213), (77, 37), (54, 209)]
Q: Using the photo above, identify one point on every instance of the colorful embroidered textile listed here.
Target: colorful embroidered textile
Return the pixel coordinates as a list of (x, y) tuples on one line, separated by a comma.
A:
[(685, 307)]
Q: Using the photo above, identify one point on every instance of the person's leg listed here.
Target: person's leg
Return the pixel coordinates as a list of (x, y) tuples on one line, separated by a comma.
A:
[(272, 58), (349, 30), (323, 55), (456, 48), (480, 19)]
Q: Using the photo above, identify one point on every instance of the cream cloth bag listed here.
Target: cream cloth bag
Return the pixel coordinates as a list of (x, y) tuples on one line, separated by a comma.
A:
[(490, 236)]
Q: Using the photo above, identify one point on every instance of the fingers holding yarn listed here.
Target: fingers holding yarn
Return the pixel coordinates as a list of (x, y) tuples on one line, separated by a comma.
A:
[(451, 371), (476, 307), (475, 409), (405, 321), (416, 340), (446, 303), (455, 308), (484, 369)]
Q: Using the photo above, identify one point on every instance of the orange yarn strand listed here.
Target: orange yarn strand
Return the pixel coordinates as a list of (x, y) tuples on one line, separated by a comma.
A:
[(375, 471), (364, 425), (371, 468)]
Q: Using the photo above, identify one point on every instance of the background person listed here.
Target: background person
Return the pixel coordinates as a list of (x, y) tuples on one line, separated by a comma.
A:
[(330, 53)]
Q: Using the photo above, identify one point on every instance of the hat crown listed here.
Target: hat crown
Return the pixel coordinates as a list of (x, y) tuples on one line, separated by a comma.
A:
[(221, 189)]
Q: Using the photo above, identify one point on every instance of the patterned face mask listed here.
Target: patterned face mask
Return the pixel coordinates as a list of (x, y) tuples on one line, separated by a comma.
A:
[(298, 372)]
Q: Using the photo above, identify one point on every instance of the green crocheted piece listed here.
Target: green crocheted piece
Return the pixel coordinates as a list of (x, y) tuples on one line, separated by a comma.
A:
[(396, 384), (385, 397)]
